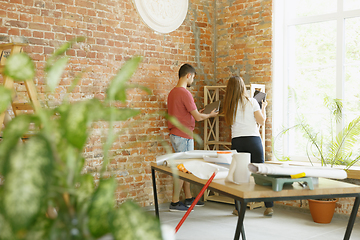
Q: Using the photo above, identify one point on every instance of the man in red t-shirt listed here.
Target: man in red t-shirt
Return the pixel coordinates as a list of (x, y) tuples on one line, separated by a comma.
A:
[(182, 106)]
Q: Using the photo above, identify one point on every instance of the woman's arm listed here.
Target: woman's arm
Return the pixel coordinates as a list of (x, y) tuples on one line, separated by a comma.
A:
[(260, 115)]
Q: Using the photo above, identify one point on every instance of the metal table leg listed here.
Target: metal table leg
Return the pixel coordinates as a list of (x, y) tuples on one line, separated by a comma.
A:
[(155, 193), (352, 218), (240, 224)]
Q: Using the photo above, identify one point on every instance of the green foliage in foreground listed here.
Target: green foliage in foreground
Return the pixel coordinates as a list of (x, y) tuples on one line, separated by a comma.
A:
[(44, 173)]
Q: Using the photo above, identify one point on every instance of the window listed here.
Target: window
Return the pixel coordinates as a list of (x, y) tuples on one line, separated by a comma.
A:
[(316, 55)]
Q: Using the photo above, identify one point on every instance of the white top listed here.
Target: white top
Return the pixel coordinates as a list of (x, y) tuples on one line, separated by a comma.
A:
[(245, 123)]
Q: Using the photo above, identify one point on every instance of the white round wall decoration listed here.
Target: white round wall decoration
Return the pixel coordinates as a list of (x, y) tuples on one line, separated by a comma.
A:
[(163, 16)]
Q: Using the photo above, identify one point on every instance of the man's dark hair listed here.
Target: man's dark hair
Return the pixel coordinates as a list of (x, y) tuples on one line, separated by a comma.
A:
[(185, 69)]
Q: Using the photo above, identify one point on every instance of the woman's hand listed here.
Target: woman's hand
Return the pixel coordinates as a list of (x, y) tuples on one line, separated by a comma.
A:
[(263, 104)]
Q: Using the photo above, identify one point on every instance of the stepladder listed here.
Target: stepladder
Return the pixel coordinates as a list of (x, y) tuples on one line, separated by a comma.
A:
[(28, 102)]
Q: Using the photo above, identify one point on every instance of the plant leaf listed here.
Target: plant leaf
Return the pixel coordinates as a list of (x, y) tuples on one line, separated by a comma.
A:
[(6, 232), (85, 190), (54, 72), (74, 123), (5, 98), (27, 181), (12, 134), (130, 222), (97, 111), (102, 205), (40, 229), (116, 89), (20, 67), (344, 142)]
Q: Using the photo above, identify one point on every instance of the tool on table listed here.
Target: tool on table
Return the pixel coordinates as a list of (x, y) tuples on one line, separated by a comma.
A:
[(299, 175), (195, 201)]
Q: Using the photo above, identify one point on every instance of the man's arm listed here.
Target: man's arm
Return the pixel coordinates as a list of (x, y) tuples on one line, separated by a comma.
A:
[(202, 116)]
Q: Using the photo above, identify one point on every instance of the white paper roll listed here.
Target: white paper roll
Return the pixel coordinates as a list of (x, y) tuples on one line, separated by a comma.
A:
[(272, 169), (239, 171), (204, 170)]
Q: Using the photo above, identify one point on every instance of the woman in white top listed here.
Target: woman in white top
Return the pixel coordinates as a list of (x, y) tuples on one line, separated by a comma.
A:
[(244, 116)]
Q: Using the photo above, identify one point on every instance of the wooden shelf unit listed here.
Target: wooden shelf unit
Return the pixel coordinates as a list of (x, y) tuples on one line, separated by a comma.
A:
[(17, 107)]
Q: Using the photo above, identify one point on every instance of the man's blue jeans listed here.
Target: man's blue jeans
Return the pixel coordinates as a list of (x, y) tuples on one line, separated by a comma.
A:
[(181, 144)]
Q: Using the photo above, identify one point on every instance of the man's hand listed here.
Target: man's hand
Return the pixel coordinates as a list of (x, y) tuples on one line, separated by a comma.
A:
[(214, 113)]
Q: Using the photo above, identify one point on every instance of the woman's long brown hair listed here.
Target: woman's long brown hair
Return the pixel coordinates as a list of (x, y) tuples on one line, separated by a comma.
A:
[(235, 94)]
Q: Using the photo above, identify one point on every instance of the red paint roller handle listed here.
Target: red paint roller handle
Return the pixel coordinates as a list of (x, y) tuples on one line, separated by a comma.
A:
[(195, 202)]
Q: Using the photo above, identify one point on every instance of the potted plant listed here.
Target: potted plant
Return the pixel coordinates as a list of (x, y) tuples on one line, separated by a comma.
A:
[(45, 194), (330, 149)]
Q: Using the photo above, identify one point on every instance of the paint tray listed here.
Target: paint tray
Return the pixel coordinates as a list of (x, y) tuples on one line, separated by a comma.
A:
[(277, 181)]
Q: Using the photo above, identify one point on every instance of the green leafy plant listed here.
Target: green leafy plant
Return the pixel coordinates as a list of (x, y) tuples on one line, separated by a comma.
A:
[(331, 148), (45, 194)]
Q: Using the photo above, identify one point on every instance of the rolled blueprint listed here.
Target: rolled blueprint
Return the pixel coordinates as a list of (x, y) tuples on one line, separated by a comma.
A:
[(178, 161), (188, 155), (204, 170), (273, 169)]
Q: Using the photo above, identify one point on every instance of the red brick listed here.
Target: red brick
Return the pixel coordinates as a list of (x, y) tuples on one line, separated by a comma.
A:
[(36, 41), (38, 19), (28, 3), (37, 34), (70, 24), (25, 33), (49, 35), (13, 15), (50, 5), (65, 30), (48, 50), (18, 24), (72, 16), (14, 31), (39, 26), (16, 1), (25, 17), (67, 2), (49, 20), (71, 9), (91, 12), (39, 4), (60, 7), (37, 49), (80, 53), (83, 3)]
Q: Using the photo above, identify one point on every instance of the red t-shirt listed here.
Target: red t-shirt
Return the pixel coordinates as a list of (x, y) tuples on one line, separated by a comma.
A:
[(180, 103)]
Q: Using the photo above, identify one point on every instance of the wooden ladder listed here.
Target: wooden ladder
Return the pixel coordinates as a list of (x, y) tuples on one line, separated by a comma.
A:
[(17, 107)]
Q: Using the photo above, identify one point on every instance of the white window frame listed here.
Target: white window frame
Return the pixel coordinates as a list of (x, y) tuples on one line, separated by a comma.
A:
[(281, 59)]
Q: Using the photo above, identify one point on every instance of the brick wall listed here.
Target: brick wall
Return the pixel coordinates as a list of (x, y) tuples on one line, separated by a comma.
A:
[(115, 32), (244, 40)]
